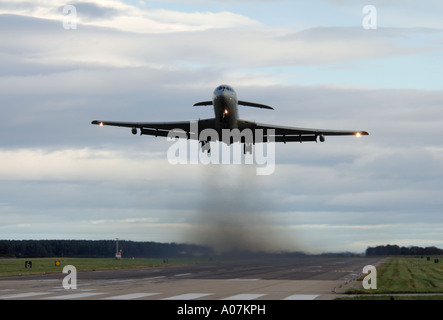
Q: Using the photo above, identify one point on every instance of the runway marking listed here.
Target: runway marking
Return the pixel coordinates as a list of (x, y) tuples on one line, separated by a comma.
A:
[(245, 296), (154, 278), (23, 295), (188, 296), (130, 296), (118, 281), (182, 274), (61, 288), (301, 297), (74, 296), (139, 295), (240, 279), (64, 290)]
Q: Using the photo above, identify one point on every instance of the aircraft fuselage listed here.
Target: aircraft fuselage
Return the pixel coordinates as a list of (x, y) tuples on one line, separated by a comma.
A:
[(224, 101)]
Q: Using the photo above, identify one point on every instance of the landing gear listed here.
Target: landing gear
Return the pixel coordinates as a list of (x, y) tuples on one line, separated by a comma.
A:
[(206, 146), (247, 148)]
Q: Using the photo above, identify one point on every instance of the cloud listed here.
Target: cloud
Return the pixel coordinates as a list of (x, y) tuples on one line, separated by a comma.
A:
[(398, 13), (95, 44), (62, 176), (123, 17)]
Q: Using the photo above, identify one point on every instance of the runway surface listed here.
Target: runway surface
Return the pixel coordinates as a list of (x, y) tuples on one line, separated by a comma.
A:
[(301, 278)]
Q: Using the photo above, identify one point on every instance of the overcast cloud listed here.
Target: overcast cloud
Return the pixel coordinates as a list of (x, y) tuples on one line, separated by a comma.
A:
[(62, 178)]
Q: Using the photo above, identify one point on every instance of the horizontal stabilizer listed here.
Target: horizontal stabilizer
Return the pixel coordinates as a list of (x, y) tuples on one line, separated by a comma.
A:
[(254, 105), (203, 103), (241, 103)]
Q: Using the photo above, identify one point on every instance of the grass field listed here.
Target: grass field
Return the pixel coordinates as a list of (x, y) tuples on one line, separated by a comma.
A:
[(409, 276), (16, 267)]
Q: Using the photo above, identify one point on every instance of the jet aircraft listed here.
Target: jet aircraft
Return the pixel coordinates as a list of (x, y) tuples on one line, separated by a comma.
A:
[(225, 104)]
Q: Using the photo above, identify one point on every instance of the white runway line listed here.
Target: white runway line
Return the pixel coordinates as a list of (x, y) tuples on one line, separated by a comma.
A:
[(121, 281), (301, 297), (23, 295), (130, 296), (138, 295), (154, 278), (182, 274), (243, 279), (188, 296), (245, 296), (73, 296)]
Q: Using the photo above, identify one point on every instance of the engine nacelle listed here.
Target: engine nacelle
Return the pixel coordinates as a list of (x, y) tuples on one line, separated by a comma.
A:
[(134, 130), (322, 138)]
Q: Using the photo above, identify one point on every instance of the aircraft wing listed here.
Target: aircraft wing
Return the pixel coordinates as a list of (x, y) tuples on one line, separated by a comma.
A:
[(282, 133), (288, 134), (161, 129)]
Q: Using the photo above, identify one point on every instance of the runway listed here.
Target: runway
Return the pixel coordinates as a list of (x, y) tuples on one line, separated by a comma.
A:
[(301, 278)]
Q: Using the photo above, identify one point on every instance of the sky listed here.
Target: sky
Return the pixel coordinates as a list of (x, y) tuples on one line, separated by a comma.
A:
[(64, 64)]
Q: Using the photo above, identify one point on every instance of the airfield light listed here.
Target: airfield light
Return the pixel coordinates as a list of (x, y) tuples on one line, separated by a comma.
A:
[(226, 111)]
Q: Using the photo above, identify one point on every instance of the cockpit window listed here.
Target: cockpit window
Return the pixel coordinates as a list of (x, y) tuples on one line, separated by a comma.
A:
[(222, 88)]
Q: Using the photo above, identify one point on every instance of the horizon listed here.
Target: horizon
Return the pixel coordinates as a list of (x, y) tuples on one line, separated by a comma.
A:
[(317, 63)]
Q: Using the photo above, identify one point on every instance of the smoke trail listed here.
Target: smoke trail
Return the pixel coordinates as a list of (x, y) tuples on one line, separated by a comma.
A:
[(235, 212)]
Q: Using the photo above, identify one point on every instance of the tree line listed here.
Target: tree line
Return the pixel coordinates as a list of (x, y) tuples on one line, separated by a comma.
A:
[(394, 250), (107, 249), (98, 249)]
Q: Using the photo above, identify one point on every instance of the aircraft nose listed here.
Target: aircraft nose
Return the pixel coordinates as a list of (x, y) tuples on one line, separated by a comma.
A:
[(222, 96), (226, 94)]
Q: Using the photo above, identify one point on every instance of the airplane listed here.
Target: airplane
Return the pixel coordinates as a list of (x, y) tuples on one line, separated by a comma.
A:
[(225, 103)]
